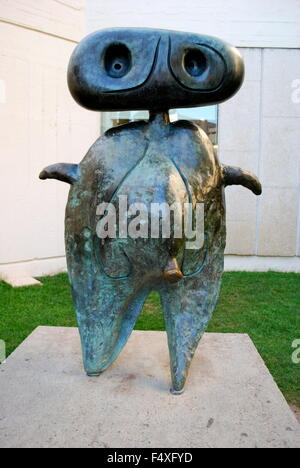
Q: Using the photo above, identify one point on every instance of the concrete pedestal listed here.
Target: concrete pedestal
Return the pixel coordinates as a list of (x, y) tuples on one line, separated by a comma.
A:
[(230, 398)]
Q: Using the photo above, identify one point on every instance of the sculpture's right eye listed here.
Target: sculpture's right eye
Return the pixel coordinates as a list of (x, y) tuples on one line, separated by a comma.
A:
[(195, 62), (117, 60), (197, 66)]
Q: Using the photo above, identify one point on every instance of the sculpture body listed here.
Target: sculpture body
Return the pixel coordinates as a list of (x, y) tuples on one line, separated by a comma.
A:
[(147, 162)]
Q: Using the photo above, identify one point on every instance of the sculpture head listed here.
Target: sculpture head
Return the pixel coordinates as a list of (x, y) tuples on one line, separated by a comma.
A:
[(135, 69)]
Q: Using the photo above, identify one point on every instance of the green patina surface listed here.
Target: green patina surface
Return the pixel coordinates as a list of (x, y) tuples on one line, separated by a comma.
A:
[(150, 162)]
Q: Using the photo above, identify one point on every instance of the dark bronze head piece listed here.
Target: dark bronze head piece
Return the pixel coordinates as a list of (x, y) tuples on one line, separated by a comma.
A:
[(132, 69)]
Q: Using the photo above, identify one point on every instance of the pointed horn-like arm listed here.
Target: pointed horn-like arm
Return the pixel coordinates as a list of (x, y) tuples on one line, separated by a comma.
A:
[(62, 171), (237, 176)]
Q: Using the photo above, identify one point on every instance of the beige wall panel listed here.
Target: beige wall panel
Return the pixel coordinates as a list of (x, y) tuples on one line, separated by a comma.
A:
[(259, 23), (298, 228), (281, 82), (280, 156), (239, 145), (241, 221), (278, 214), (64, 18), (40, 125), (281, 152)]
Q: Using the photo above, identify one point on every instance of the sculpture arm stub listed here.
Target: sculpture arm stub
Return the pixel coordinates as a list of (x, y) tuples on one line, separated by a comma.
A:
[(236, 176), (65, 172)]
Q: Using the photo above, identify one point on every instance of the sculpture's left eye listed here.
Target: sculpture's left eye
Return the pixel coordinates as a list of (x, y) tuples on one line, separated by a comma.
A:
[(117, 60), (111, 61)]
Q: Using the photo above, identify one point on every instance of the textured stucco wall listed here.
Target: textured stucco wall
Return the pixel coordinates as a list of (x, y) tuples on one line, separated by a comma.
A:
[(259, 129), (40, 125), (244, 23)]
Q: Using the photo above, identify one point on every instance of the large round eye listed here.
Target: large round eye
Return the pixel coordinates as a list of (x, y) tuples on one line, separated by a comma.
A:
[(195, 62), (111, 61), (117, 60), (197, 66)]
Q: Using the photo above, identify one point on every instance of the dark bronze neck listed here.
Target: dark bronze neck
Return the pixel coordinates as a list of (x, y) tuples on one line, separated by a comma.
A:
[(160, 117)]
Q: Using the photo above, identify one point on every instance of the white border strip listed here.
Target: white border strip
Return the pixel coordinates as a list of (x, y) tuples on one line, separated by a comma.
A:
[(255, 263)]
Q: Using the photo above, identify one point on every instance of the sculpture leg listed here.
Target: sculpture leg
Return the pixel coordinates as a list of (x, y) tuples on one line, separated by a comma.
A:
[(187, 310), (106, 319)]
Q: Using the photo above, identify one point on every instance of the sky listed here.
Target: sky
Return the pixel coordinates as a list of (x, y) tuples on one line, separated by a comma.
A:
[(198, 113), (193, 113)]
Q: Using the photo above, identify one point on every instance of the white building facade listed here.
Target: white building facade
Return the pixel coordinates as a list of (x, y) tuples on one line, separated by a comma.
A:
[(258, 129)]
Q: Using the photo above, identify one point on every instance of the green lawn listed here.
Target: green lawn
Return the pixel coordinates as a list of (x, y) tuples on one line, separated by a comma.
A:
[(264, 305)]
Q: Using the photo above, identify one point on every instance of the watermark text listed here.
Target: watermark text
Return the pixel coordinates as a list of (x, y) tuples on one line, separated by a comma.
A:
[(157, 220)]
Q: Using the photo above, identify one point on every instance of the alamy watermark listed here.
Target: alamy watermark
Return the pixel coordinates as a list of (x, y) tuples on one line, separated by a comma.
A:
[(296, 353), (156, 220), (2, 352)]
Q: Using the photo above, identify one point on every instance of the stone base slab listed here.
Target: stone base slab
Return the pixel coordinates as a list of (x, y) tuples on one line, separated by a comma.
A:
[(230, 399)]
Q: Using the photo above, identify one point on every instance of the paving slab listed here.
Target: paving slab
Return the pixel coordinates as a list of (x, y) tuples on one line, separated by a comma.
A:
[(230, 400), (17, 281)]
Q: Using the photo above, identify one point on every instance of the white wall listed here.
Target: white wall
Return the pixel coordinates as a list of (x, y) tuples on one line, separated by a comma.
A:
[(60, 18), (40, 125), (245, 23), (259, 129)]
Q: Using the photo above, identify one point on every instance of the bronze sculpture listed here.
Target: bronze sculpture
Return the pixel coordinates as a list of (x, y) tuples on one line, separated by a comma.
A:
[(147, 162)]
